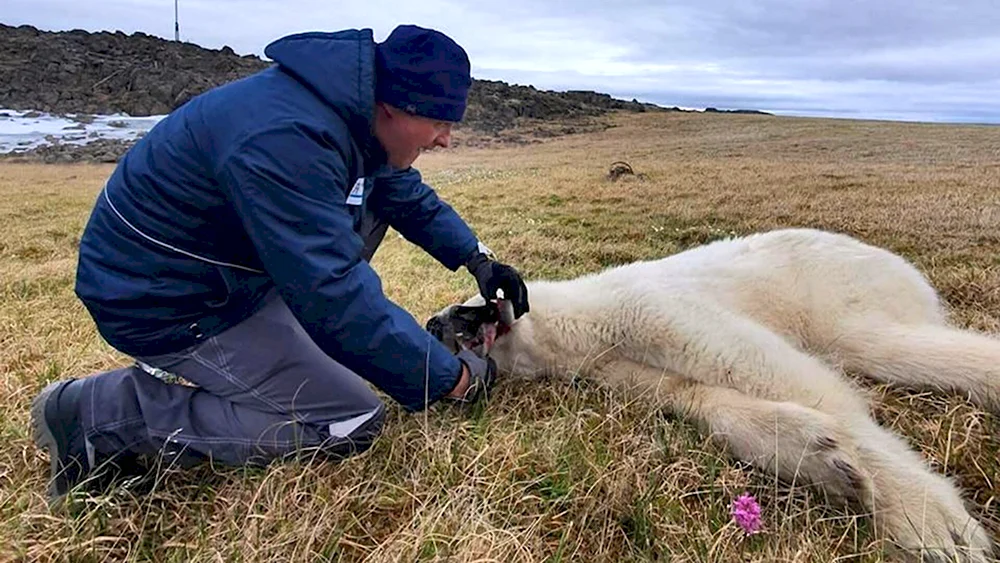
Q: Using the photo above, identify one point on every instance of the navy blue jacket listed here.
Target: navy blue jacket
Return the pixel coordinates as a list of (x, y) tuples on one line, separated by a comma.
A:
[(247, 188)]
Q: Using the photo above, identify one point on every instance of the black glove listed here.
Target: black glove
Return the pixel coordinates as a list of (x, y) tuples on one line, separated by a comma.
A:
[(492, 275), (482, 376)]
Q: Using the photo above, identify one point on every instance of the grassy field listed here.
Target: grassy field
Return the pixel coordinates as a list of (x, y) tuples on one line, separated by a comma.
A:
[(548, 471)]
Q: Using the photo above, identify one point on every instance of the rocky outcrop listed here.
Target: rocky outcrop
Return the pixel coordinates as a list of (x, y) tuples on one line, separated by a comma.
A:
[(138, 74), (495, 106), (83, 72), (98, 151)]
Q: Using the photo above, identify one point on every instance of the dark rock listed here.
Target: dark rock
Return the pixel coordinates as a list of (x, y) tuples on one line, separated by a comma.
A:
[(83, 118), (100, 150)]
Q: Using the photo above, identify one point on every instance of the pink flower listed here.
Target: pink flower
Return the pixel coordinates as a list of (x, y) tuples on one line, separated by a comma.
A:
[(746, 513)]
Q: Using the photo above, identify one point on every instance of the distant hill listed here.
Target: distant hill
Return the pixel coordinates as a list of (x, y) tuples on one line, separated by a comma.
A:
[(139, 74)]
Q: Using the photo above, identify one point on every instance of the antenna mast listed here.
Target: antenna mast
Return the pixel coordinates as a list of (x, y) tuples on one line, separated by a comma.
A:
[(177, 26)]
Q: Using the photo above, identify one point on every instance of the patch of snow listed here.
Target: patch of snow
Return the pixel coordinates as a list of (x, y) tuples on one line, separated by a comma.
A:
[(22, 131)]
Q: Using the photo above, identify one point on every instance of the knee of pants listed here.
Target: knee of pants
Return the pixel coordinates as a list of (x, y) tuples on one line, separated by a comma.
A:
[(355, 435)]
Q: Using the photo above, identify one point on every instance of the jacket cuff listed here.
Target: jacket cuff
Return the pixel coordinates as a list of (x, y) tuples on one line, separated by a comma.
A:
[(480, 255), (437, 390)]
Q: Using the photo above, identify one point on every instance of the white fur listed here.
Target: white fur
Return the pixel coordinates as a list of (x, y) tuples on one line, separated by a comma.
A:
[(747, 336)]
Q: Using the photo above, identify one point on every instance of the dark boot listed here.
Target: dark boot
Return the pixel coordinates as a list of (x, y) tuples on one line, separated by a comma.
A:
[(56, 427)]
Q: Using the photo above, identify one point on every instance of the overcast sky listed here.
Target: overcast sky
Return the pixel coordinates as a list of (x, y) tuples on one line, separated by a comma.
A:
[(927, 60)]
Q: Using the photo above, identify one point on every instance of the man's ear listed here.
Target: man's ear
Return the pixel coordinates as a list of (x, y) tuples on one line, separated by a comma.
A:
[(388, 111), (383, 112)]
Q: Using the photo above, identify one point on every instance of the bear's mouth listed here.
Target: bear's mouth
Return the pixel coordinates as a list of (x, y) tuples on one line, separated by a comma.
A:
[(476, 328)]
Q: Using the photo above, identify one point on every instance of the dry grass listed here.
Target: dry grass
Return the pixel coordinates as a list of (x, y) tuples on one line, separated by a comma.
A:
[(547, 472)]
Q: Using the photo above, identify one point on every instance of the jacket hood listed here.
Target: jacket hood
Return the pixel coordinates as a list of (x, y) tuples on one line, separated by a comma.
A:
[(339, 67)]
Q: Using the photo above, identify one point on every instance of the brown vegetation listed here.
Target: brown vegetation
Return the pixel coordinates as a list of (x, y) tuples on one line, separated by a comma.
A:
[(547, 471)]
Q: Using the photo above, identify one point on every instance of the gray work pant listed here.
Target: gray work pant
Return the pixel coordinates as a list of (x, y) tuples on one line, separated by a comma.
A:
[(263, 390)]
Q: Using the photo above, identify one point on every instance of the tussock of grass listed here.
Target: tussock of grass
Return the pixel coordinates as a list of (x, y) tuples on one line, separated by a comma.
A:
[(549, 471)]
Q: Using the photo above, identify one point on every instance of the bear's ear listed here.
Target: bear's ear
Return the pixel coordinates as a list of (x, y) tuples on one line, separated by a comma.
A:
[(469, 319), (505, 313)]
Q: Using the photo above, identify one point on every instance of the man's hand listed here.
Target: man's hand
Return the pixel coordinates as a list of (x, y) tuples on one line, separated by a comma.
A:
[(492, 275), (477, 378)]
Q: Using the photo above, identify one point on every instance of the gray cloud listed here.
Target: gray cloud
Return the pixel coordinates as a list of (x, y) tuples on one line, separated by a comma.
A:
[(889, 59), (724, 29)]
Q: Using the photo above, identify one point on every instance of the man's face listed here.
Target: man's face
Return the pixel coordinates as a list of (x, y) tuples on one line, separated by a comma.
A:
[(404, 136)]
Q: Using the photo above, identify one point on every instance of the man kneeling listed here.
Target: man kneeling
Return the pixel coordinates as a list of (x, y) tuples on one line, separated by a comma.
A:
[(231, 248)]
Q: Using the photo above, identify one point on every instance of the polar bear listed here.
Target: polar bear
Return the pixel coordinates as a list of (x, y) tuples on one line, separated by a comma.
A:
[(747, 337)]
